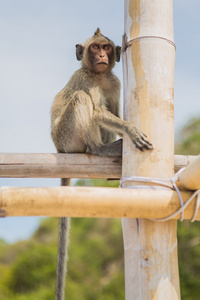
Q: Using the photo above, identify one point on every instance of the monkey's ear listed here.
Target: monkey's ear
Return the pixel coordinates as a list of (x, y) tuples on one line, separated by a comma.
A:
[(118, 53), (79, 51)]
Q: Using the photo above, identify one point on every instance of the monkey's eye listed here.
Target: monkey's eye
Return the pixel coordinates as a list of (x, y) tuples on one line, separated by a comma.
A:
[(106, 47), (95, 46)]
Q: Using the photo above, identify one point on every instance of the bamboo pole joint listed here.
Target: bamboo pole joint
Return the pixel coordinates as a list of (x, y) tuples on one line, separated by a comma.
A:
[(157, 183)]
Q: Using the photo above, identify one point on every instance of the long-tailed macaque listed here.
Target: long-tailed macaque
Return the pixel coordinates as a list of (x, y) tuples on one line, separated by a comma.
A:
[(85, 119)]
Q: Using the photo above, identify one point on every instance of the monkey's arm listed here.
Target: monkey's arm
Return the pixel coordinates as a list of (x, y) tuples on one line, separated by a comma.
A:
[(109, 121)]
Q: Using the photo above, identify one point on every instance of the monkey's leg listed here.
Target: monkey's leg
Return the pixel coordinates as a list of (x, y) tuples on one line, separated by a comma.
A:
[(110, 149), (64, 227), (74, 123)]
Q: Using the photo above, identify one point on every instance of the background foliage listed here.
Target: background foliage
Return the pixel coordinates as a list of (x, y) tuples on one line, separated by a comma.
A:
[(189, 233), (95, 267)]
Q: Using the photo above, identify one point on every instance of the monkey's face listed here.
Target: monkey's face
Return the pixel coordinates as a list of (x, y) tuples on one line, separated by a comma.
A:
[(100, 56)]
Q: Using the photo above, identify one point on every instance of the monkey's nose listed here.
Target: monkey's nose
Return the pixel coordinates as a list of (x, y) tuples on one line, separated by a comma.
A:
[(101, 53)]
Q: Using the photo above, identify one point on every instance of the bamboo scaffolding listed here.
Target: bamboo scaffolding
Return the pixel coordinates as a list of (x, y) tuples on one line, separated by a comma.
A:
[(53, 165), (151, 264), (92, 202)]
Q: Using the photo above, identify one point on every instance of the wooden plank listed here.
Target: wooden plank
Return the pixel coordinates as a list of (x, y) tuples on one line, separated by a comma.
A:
[(92, 202), (151, 264), (53, 165)]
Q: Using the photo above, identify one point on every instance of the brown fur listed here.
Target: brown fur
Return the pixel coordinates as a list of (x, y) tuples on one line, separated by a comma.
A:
[(85, 118)]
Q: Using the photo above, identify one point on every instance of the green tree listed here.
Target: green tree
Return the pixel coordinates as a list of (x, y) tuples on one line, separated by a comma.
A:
[(95, 267), (189, 233), (29, 266), (189, 140)]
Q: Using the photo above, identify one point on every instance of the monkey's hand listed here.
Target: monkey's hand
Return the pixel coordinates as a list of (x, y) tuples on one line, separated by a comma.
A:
[(139, 139)]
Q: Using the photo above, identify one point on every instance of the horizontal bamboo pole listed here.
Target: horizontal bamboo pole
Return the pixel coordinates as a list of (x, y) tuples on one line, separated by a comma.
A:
[(92, 202), (53, 165), (190, 177)]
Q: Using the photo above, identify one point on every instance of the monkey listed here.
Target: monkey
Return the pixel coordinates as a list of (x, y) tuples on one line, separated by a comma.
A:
[(85, 119)]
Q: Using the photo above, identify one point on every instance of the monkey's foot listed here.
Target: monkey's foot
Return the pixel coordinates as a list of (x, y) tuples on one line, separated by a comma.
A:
[(110, 149)]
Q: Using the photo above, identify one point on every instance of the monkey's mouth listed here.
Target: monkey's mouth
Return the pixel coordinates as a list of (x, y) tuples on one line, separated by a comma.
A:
[(102, 63)]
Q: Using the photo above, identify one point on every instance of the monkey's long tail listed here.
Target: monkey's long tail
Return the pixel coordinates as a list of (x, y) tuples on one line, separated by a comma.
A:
[(64, 227)]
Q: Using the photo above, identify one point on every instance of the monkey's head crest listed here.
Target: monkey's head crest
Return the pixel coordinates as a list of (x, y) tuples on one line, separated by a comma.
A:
[(99, 35), (98, 32)]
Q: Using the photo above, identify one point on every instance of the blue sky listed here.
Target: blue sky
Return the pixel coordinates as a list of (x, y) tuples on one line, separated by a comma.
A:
[(37, 58)]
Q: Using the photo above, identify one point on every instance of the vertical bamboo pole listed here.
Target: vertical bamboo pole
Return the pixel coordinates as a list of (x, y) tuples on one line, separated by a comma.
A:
[(151, 266)]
